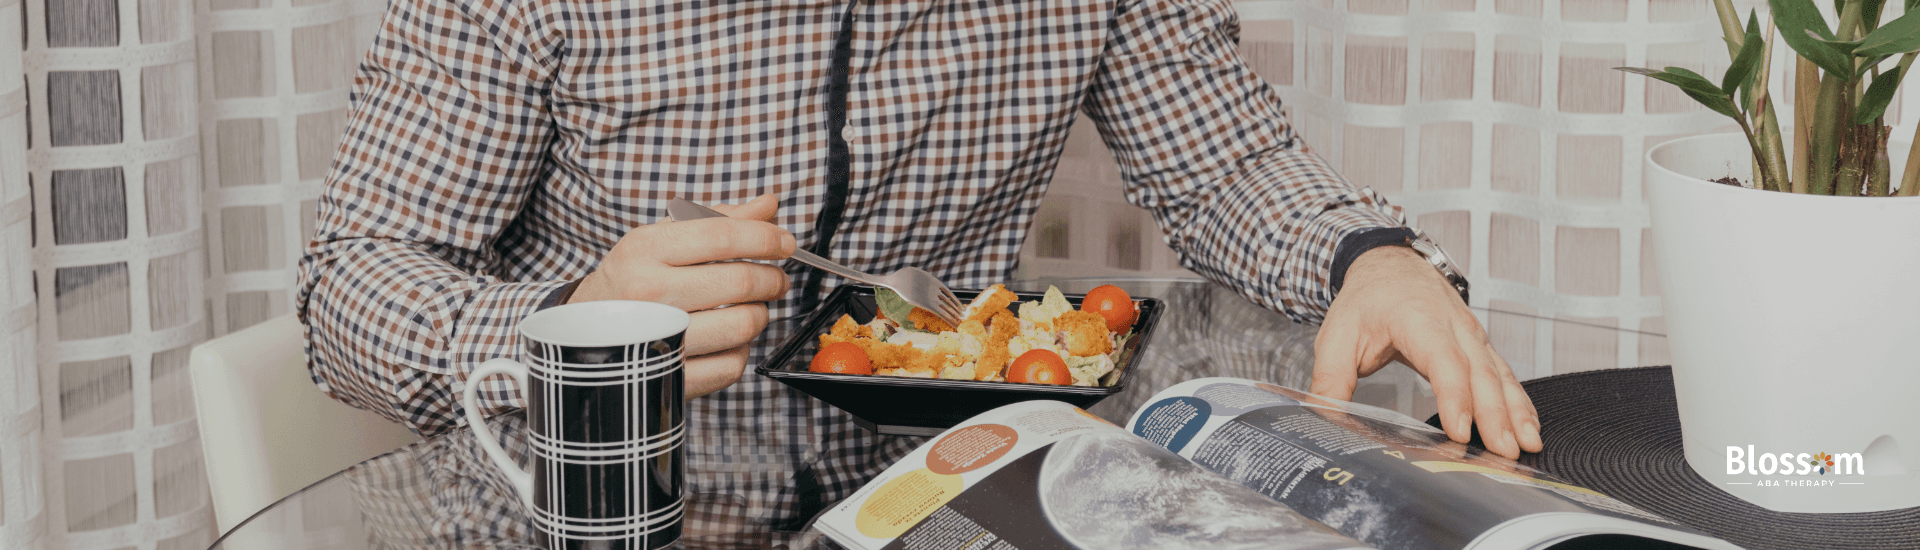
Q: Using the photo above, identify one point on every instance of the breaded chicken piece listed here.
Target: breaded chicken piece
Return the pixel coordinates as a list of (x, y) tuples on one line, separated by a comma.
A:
[(945, 354), (1085, 331), (990, 302), (887, 356), (846, 327), (927, 321), (994, 356), (976, 329)]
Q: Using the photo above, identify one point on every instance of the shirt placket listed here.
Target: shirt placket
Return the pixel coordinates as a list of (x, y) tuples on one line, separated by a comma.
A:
[(839, 153)]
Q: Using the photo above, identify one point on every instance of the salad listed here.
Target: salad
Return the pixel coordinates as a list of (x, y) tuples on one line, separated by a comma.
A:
[(999, 338)]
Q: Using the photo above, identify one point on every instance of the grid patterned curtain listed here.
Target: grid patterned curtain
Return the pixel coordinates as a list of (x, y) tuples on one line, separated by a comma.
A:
[(1498, 124), (22, 500), (159, 164)]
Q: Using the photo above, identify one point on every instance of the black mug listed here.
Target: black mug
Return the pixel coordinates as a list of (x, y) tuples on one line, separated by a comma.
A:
[(605, 395)]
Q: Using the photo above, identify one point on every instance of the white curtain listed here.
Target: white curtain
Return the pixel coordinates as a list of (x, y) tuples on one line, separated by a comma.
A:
[(1502, 129), (159, 161)]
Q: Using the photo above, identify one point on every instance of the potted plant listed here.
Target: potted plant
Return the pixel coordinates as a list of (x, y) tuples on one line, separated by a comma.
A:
[(1792, 296)]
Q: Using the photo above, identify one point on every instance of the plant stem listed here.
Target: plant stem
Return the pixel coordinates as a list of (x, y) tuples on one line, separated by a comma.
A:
[(1730, 26), (1856, 156), (1877, 181), (1735, 36), (1754, 145), (1826, 148), (1772, 149), (1831, 118), (1806, 93), (1910, 180)]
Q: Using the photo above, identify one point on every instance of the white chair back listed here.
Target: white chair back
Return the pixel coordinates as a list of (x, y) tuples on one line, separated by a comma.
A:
[(267, 431)]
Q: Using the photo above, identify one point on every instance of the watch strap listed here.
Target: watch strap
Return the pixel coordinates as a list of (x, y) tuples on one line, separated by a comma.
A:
[(1359, 242)]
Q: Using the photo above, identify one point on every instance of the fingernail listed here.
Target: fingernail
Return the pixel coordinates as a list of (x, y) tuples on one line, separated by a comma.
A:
[(786, 241)]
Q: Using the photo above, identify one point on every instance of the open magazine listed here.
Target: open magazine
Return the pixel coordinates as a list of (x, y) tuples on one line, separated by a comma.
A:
[(1224, 463)]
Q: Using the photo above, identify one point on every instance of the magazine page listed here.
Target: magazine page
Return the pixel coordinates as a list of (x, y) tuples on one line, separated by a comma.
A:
[(1047, 475), (1376, 475)]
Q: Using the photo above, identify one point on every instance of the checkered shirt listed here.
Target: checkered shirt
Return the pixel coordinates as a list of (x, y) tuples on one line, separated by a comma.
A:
[(497, 149)]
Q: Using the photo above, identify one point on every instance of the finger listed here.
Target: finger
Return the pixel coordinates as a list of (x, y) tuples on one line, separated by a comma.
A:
[(715, 371), (1336, 360), (1432, 351), (711, 240), (761, 208), (717, 330), (1526, 420), (1489, 398), (703, 287)]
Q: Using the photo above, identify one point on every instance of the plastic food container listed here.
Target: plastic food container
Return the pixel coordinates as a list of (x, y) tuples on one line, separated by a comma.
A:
[(928, 406)]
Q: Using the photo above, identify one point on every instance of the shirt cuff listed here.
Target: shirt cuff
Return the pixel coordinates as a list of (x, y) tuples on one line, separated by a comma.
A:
[(559, 295), (1359, 242)]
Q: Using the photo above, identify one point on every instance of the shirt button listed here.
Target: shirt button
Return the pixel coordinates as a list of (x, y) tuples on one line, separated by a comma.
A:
[(849, 132)]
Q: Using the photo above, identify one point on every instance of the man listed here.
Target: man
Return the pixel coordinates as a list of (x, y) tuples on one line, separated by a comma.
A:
[(507, 156)]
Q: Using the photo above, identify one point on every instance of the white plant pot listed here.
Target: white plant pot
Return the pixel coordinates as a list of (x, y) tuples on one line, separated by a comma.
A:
[(1794, 322)]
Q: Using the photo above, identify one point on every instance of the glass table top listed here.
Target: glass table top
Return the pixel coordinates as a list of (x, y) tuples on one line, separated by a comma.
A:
[(1207, 330)]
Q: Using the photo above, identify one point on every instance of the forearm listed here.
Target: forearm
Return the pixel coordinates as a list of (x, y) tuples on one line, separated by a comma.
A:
[(394, 327), (1270, 229)]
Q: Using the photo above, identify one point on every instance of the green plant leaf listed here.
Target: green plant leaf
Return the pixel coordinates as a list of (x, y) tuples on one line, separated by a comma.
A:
[(1805, 31), (1899, 36), (1878, 95), (1694, 85), (1845, 47), (1689, 80), (1719, 103), (893, 306), (1870, 11), (1748, 59)]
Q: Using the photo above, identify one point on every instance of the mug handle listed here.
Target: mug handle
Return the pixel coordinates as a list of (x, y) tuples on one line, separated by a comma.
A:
[(469, 401)]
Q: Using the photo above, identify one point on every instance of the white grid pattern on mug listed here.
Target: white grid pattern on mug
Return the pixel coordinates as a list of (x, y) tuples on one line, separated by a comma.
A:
[(632, 451)]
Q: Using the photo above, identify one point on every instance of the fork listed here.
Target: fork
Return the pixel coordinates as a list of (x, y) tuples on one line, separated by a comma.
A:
[(918, 287)]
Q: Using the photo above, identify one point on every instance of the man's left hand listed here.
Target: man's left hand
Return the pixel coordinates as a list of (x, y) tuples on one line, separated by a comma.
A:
[(1395, 306)]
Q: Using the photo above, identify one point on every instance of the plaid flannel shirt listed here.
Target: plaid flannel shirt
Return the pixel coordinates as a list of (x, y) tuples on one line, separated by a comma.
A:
[(498, 148)]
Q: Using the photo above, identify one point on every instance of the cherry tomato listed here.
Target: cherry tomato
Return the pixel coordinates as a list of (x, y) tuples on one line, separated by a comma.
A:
[(1112, 304), (1039, 367), (841, 358)]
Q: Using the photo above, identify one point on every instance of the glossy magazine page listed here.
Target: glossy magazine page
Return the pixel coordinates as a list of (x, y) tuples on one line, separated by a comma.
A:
[(1047, 475), (1376, 475)]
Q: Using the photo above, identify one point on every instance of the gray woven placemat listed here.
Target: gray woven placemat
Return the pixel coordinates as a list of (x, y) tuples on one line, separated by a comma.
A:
[(1617, 431)]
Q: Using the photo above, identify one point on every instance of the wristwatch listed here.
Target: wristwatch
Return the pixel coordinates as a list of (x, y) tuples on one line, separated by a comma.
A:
[(1426, 248)]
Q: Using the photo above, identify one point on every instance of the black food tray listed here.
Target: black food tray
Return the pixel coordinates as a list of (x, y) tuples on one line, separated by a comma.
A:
[(928, 406)]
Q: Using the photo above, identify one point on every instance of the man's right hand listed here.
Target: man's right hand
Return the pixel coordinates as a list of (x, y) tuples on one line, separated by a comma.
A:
[(689, 265)]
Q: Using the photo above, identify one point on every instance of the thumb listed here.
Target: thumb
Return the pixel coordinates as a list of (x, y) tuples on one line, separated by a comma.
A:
[(761, 208), (1335, 364)]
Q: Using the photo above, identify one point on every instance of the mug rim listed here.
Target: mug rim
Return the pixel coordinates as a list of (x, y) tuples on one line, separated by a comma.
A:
[(661, 320)]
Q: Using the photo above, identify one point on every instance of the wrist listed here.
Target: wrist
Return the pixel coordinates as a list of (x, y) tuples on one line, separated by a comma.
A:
[(582, 290), (1359, 243)]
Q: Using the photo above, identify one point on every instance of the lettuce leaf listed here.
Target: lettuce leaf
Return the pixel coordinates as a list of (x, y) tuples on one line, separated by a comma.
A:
[(894, 307), (1086, 371)]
